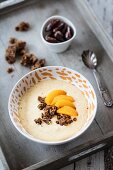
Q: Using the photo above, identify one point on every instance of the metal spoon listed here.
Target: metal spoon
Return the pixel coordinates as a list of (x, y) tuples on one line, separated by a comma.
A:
[(90, 60)]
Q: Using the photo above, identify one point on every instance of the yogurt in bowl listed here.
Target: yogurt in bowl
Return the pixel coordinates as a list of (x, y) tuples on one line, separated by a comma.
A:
[(23, 102)]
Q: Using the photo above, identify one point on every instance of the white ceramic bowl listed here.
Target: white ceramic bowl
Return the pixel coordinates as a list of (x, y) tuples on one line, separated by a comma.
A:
[(62, 46), (45, 73)]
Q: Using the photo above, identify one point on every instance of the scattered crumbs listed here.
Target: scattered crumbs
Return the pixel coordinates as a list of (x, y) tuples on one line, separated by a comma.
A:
[(10, 70), (17, 48), (10, 54), (22, 26), (14, 48)]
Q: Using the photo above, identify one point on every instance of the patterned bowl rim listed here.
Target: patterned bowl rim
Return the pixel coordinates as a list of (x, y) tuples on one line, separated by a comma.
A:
[(62, 141)]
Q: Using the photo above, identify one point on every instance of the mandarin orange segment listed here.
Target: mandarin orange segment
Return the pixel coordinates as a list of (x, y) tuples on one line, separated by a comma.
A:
[(64, 102), (68, 111), (60, 97), (51, 95)]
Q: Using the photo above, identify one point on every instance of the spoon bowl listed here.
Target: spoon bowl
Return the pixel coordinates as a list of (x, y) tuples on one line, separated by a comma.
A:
[(89, 58)]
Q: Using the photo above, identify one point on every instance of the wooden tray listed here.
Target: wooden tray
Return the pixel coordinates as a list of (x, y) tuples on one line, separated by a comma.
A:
[(20, 152)]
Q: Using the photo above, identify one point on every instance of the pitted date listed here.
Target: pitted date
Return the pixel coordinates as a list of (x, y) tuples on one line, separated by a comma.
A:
[(52, 24), (57, 31), (60, 27), (59, 36), (64, 29), (68, 33), (49, 27), (51, 39)]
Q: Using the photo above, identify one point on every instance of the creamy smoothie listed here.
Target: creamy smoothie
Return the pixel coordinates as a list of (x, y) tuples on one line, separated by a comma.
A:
[(28, 111)]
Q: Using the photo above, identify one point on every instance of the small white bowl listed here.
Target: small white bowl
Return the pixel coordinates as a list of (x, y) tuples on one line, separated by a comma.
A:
[(62, 46), (52, 72)]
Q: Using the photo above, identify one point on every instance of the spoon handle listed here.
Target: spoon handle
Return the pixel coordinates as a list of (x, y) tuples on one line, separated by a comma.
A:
[(103, 89)]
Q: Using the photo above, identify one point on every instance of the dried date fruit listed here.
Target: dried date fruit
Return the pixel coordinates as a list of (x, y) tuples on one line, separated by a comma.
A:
[(56, 23), (68, 34), (49, 33), (52, 24), (60, 27), (51, 39), (59, 36), (49, 27), (64, 29), (57, 31)]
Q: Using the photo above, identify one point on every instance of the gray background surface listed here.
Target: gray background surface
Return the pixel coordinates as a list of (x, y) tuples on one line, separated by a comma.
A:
[(104, 11)]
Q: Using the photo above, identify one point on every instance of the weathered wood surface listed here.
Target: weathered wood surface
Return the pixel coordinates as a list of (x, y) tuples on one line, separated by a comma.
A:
[(94, 162), (3, 163), (16, 147), (104, 11)]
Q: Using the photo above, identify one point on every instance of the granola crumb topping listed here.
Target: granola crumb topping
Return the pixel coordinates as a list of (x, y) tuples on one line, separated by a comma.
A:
[(49, 112), (38, 121), (41, 99)]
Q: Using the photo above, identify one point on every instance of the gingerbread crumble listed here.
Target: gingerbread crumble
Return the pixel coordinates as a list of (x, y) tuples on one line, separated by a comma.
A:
[(10, 70), (12, 40), (28, 59), (38, 64), (19, 44), (49, 112), (17, 48), (41, 106), (41, 99), (22, 26), (25, 59), (11, 54)]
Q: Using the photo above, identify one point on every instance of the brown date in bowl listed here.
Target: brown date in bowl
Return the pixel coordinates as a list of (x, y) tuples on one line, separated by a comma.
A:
[(57, 31)]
